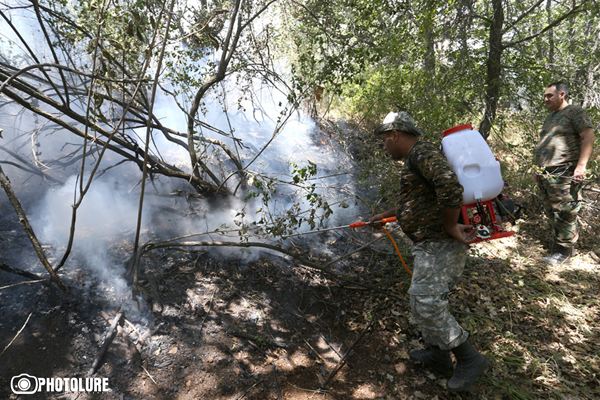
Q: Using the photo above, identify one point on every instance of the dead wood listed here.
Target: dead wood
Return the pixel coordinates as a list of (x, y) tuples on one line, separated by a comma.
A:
[(22, 283), (157, 304), (264, 353), (132, 350), (124, 333), (27, 227), (347, 279), (139, 337), (18, 271), (18, 333), (209, 308), (259, 339), (310, 346), (341, 363), (323, 337), (241, 396), (275, 379), (149, 376), (110, 336)]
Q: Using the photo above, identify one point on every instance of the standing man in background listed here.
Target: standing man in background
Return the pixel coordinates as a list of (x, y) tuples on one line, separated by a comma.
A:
[(565, 146)]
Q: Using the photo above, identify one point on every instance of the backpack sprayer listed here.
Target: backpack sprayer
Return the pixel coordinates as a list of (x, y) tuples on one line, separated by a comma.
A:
[(478, 171)]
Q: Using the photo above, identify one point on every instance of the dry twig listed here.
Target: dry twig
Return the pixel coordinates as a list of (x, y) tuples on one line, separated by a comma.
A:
[(13, 270), (247, 390), (22, 283), (110, 336), (276, 384), (18, 333), (324, 338), (341, 363), (259, 339), (27, 227)]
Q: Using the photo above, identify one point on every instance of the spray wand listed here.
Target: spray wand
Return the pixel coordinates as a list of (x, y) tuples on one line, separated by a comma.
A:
[(383, 221)]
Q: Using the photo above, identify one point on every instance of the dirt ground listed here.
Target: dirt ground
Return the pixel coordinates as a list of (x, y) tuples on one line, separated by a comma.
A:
[(215, 327)]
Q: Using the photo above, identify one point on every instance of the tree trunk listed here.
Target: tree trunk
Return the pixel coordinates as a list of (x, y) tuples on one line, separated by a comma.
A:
[(494, 69), (550, 33)]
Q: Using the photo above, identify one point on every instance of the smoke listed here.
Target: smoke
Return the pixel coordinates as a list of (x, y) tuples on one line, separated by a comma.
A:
[(109, 210), (298, 142), (107, 216)]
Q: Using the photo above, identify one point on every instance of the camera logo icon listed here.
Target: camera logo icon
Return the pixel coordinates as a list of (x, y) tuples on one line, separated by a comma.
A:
[(24, 384)]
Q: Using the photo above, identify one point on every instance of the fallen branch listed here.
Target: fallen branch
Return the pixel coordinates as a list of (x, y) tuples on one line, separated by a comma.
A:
[(149, 376), (309, 346), (247, 390), (134, 328), (157, 304), (124, 333), (324, 338), (348, 279), (209, 309), (341, 363), (22, 283), (110, 336), (18, 271), (27, 227), (276, 384), (18, 333)]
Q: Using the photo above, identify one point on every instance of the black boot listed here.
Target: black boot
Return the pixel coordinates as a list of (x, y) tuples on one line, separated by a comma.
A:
[(438, 360), (470, 364)]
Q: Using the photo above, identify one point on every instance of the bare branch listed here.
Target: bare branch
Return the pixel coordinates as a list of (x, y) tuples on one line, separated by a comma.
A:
[(573, 11)]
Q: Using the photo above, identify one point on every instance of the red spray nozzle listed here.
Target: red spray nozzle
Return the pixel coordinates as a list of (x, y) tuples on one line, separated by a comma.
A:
[(383, 221), (357, 224)]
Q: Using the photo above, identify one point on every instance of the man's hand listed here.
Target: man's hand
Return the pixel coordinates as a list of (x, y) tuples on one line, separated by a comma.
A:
[(587, 146), (579, 174), (389, 213), (374, 218), (463, 233)]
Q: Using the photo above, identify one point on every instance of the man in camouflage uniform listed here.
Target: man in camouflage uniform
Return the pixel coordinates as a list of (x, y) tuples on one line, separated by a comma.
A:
[(428, 211), (565, 146)]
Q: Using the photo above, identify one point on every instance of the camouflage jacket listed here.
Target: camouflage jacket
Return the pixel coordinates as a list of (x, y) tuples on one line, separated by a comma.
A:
[(560, 140), (428, 185)]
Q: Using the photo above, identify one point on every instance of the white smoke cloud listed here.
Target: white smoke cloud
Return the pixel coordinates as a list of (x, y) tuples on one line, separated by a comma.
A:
[(110, 208)]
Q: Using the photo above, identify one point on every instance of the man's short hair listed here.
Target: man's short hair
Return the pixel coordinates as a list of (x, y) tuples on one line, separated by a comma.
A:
[(560, 87)]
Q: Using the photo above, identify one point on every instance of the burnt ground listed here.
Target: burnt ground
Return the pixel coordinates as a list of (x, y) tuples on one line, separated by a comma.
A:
[(216, 327), (213, 328)]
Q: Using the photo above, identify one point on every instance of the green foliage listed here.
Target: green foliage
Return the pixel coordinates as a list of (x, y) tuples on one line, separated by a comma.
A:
[(307, 205), (432, 59)]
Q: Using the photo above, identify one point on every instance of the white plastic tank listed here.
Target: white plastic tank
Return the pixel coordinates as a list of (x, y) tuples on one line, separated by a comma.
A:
[(473, 162)]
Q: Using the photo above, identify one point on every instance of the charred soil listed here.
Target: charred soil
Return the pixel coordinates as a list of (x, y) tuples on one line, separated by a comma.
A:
[(210, 327)]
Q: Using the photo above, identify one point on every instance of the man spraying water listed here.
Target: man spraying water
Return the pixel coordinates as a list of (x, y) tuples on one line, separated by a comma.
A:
[(429, 206)]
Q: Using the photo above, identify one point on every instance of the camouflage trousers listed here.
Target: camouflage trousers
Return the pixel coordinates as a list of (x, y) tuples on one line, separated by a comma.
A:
[(437, 268), (562, 202)]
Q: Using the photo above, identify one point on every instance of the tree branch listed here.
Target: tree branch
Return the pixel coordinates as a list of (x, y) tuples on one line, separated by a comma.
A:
[(522, 16), (556, 22)]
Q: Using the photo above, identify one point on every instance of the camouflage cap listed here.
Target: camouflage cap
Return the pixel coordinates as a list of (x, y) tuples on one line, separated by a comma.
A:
[(400, 121)]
